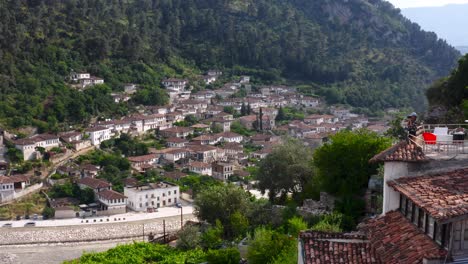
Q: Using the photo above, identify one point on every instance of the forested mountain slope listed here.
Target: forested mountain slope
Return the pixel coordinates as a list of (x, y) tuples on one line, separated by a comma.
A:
[(359, 52), (448, 97)]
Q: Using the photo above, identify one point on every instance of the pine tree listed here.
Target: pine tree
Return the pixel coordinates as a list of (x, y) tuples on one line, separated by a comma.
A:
[(281, 116), (243, 110)]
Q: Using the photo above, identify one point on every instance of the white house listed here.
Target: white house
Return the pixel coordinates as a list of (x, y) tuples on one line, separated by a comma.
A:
[(76, 76), (152, 196), (175, 154), (222, 170), (230, 137), (98, 134), (11, 187), (200, 168), (112, 202), (28, 146), (177, 85)]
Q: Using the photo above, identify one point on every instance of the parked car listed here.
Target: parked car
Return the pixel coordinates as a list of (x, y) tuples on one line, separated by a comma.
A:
[(30, 224), (8, 225), (26, 217), (18, 217), (179, 205), (35, 217)]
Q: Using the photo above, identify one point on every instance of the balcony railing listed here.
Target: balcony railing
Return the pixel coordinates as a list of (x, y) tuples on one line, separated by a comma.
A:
[(452, 143)]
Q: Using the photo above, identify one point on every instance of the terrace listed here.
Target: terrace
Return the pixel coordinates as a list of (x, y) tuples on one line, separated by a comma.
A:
[(440, 141)]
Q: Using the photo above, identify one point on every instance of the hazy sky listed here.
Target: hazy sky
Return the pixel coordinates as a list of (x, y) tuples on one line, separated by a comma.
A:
[(418, 3)]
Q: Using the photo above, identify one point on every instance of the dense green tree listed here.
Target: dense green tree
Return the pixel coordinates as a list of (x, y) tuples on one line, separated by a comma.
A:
[(226, 203), (188, 238), (223, 256), (344, 170), (287, 169), (267, 244), (212, 238), (281, 115), (343, 164)]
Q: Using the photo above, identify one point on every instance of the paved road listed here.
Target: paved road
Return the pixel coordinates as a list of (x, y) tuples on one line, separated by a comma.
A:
[(51, 254)]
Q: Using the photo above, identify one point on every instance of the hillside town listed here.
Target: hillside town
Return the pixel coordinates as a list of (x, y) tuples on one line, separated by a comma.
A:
[(215, 133)]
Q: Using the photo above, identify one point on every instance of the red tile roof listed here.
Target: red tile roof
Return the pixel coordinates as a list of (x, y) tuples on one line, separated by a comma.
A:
[(396, 240), (94, 183), (324, 248), (4, 180), (143, 158), (402, 151), (111, 195), (443, 195)]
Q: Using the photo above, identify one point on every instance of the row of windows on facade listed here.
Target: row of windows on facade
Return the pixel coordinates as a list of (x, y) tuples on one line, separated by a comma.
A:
[(440, 233), (7, 187), (152, 203), (164, 195), (117, 201)]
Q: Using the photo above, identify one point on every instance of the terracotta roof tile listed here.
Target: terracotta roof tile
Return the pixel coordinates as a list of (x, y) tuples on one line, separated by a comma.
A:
[(443, 195), (396, 240), (402, 151), (94, 183), (111, 195), (321, 248)]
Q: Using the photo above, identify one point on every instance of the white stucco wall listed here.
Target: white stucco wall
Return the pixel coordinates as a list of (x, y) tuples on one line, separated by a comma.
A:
[(392, 171)]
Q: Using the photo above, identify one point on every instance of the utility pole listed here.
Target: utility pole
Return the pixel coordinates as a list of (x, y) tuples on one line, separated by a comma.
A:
[(143, 232), (261, 119), (164, 231), (181, 218)]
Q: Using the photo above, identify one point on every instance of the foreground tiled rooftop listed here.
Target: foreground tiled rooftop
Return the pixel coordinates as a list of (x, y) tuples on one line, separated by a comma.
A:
[(403, 151), (443, 195), (396, 240), (324, 248), (387, 239)]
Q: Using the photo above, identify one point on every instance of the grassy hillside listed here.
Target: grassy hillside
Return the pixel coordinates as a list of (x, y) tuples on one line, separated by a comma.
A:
[(359, 52)]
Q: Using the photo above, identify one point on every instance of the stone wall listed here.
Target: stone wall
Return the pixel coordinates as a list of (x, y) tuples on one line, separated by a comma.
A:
[(91, 232)]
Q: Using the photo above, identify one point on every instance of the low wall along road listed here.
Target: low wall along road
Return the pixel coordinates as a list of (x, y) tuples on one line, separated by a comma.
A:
[(64, 234)]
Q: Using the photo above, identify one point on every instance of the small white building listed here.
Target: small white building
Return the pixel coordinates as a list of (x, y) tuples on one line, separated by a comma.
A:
[(152, 196), (200, 168), (76, 76), (28, 145), (177, 85), (112, 202), (98, 134)]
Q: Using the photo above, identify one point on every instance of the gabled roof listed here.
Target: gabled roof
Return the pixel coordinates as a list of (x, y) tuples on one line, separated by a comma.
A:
[(142, 158), (111, 195), (196, 164), (403, 151), (94, 183), (5, 180), (396, 240), (321, 247), (177, 129), (443, 196), (176, 140)]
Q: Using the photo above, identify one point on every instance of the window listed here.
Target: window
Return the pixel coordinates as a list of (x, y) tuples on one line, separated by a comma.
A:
[(421, 215), (409, 209), (414, 217), (169, 193), (403, 204), (175, 191), (141, 205), (169, 200), (152, 195), (430, 228)]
